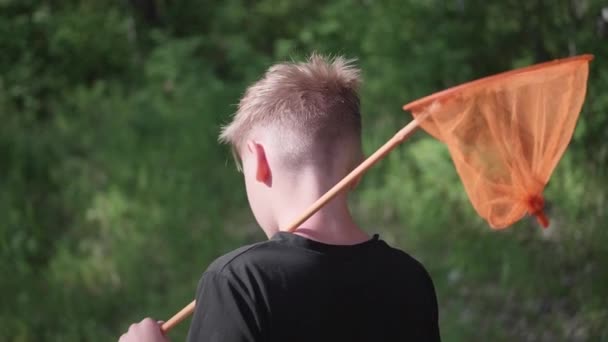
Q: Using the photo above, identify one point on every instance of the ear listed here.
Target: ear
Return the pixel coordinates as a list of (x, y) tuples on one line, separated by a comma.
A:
[(262, 171)]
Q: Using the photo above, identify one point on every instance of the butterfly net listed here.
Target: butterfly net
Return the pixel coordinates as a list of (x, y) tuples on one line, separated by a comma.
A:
[(506, 133)]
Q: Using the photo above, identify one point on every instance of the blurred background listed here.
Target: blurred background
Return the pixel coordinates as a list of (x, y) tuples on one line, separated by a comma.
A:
[(115, 196)]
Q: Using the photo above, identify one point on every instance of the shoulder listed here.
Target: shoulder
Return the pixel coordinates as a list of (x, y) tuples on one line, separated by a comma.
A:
[(240, 271), (244, 257), (408, 263), (414, 276)]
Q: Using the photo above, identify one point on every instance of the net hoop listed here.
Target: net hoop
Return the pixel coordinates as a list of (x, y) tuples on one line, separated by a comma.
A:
[(447, 93)]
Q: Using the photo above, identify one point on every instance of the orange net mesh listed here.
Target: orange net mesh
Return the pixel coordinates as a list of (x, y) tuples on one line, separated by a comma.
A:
[(506, 133)]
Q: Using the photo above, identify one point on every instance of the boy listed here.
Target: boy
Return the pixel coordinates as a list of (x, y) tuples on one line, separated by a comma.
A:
[(296, 133)]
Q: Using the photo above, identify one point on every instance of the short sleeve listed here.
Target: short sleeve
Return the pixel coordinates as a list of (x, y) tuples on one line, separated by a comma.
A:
[(224, 312)]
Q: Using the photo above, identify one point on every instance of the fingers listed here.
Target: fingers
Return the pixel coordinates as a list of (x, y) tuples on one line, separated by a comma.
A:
[(146, 330), (148, 322)]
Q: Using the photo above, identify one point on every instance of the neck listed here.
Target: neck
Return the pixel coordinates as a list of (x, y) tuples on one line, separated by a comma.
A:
[(332, 224)]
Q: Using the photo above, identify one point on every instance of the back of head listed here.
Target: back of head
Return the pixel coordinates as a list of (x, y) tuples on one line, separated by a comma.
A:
[(309, 112)]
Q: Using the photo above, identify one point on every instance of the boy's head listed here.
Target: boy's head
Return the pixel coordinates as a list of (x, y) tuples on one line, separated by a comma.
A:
[(300, 123)]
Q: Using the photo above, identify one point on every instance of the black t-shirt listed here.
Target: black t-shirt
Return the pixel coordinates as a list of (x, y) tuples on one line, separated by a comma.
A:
[(292, 289)]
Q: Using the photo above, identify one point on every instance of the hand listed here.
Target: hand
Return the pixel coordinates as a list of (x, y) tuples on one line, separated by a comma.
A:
[(148, 330)]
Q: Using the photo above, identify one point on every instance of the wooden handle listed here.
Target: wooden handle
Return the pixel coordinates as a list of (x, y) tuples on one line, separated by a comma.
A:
[(390, 145), (178, 317)]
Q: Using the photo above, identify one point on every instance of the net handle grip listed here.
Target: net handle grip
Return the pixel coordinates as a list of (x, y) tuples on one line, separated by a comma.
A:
[(341, 186)]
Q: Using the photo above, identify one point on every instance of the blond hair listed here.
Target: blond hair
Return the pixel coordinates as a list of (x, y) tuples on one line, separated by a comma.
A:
[(310, 106)]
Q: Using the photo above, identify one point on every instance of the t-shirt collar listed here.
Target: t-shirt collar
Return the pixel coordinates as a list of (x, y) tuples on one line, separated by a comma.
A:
[(301, 241)]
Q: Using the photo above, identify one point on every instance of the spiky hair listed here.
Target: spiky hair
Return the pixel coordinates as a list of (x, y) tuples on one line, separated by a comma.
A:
[(313, 102)]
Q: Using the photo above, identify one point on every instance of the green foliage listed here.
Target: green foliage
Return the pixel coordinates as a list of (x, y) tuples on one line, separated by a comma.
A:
[(115, 195)]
